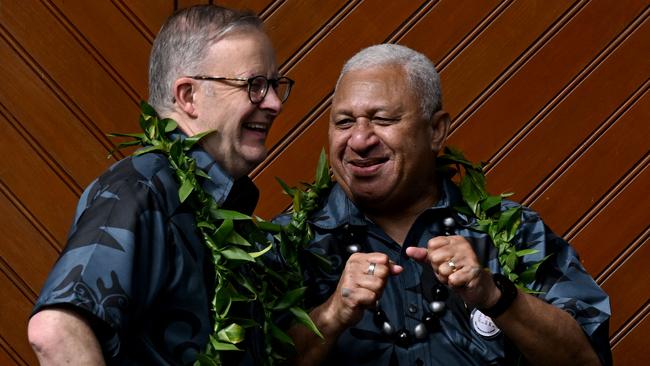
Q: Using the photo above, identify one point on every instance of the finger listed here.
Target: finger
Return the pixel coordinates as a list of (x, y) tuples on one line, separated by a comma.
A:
[(359, 297), (438, 242), (394, 268), (465, 276), (367, 258), (441, 257), (446, 268), (418, 254)]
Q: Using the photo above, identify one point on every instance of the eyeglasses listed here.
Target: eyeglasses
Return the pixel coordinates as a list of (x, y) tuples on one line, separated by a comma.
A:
[(258, 86)]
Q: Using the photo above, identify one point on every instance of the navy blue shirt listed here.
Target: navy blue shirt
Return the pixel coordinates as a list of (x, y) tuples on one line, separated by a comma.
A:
[(562, 280), (135, 266)]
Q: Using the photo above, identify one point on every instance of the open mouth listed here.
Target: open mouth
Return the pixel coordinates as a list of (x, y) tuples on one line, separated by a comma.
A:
[(367, 162), (257, 126)]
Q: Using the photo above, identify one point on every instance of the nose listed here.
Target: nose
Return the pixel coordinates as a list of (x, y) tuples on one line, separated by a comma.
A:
[(271, 102), (362, 136)]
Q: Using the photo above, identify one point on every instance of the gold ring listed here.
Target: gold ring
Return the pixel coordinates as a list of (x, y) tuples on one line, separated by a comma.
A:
[(452, 265)]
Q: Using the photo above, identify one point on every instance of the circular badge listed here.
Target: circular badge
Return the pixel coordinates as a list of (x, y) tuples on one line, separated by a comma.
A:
[(483, 324)]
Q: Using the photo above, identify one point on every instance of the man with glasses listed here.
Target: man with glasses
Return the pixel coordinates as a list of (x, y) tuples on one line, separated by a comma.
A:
[(134, 283)]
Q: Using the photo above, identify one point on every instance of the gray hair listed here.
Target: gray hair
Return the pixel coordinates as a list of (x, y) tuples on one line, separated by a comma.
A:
[(422, 75), (181, 45)]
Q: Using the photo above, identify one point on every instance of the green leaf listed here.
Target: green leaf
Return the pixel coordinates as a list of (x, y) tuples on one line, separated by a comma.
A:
[(523, 252), (490, 202), (470, 195), (223, 231), (482, 225), (511, 261), (221, 214), (528, 275), (268, 226), (203, 360), (192, 140), (147, 109), (288, 190), (280, 335), (235, 238), (203, 174), (147, 149), (222, 346), (290, 298), (304, 318), (237, 254), (138, 136), (233, 333), (169, 125), (452, 155), (322, 170), (185, 190), (507, 218), (322, 262), (261, 252)]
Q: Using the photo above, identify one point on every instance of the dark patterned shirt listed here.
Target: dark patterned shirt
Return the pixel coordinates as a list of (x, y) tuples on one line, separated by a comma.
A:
[(134, 265), (406, 298)]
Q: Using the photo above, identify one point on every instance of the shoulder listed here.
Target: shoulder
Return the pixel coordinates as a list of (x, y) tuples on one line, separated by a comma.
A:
[(137, 179)]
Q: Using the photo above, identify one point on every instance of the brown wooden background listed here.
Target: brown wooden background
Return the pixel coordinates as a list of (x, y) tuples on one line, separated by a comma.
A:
[(553, 94)]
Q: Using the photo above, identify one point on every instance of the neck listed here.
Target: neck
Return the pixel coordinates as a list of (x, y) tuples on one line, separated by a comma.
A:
[(397, 220)]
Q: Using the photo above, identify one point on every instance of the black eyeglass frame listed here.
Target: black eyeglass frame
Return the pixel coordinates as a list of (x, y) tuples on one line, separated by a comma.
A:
[(249, 83)]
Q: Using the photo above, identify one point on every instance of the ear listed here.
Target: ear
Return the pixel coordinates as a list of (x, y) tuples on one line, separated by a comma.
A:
[(440, 127), (184, 89)]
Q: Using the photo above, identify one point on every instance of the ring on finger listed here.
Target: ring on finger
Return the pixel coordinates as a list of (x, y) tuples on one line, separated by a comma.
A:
[(345, 292), (371, 269), (452, 265)]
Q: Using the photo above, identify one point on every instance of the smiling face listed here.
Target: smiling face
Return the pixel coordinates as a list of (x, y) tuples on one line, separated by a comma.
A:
[(241, 126), (382, 150)]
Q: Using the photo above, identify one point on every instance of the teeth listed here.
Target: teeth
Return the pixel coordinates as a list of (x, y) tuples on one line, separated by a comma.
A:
[(367, 162), (257, 126)]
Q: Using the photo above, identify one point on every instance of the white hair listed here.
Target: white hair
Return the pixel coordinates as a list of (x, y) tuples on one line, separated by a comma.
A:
[(420, 71)]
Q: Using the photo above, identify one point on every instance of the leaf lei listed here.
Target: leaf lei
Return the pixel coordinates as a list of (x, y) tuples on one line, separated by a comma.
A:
[(236, 243), (500, 226)]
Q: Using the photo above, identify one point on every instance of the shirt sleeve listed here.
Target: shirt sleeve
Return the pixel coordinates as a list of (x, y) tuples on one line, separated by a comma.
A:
[(115, 225), (564, 283)]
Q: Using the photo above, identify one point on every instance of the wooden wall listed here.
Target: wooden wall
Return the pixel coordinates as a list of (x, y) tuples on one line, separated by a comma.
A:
[(552, 94)]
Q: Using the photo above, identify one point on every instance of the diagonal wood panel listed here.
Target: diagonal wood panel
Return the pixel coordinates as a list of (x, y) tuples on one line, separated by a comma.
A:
[(552, 94)]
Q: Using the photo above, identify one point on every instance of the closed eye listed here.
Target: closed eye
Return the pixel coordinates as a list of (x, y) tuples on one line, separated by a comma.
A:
[(384, 121), (344, 123)]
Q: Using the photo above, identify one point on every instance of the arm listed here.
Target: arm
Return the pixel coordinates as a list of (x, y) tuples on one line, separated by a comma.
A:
[(62, 337), (356, 291), (543, 333)]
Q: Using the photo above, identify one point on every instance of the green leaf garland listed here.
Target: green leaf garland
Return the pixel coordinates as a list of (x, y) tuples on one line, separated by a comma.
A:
[(500, 225), (236, 243)]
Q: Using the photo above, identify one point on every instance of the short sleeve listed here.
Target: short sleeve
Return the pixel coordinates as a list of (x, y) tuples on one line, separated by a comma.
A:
[(564, 283), (117, 220)]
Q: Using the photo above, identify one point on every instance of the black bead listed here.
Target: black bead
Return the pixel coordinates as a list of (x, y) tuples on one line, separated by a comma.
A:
[(403, 338), (449, 223), (430, 320), (379, 317), (439, 292)]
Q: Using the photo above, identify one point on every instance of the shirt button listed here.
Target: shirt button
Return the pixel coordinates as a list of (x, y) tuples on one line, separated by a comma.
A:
[(413, 309)]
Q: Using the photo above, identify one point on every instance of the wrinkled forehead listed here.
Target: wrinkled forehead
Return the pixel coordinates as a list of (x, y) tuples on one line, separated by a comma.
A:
[(375, 87)]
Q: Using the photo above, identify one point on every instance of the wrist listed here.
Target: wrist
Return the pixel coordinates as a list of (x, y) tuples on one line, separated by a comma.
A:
[(505, 296)]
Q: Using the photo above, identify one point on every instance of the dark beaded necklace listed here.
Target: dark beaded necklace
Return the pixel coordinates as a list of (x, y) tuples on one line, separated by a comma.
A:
[(430, 321)]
